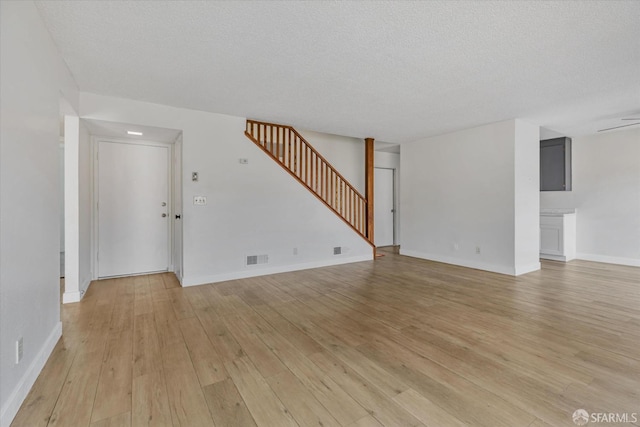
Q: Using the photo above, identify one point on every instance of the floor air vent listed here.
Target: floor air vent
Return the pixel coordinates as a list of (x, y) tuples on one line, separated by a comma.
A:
[(257, 259)]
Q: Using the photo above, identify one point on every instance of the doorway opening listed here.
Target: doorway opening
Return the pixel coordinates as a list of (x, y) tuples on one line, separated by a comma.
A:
[(83, 214), (137, 201), (384, 209)]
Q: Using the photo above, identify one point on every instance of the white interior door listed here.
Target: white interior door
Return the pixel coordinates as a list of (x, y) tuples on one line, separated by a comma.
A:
[(383, 206), (133, 208)]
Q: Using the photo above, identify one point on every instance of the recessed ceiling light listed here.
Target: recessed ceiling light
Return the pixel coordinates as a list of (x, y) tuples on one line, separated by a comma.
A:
[(131, 132)]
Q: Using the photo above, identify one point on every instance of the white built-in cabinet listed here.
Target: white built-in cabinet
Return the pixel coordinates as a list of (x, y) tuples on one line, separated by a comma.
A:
[(558, 234)]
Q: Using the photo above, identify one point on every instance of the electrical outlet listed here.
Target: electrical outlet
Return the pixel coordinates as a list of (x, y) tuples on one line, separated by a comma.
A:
[(478, 250), (295, 251), (199, 200), (19, 350), (456, 247)]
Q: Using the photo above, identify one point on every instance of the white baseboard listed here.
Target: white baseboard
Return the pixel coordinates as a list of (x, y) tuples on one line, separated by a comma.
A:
[(76, 296), (633, 262), (69, 297), (85, 286), (511, 271), (555, 257), (20, 392), (524, 269), (203, 280)]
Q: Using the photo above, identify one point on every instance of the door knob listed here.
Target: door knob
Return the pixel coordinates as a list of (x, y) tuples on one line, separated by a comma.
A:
[(164, 215), (164, 203)]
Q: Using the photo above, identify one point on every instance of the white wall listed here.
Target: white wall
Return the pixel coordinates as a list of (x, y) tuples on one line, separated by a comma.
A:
[(78, 189), (85, 190), (344, 153), (72, 209), (32, 77), (606, 194), (255, 208), (458, 193), (527, 197), (383, 159)]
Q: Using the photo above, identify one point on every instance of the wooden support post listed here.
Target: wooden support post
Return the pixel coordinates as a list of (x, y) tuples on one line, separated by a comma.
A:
[(368, 194)]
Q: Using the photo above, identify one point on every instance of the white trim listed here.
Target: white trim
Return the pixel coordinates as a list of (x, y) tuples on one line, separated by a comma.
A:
[(62, 173), (142, 273), (21, 390), (552, 257), (524, 269), (94, 207), (146, 142), (71, 297), (203, 280), (633, 262), (71, 204), (176, 195), (460, 262), (395, 191)]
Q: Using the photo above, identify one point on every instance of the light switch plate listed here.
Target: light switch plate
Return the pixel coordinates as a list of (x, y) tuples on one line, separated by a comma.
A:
[(199, 200)]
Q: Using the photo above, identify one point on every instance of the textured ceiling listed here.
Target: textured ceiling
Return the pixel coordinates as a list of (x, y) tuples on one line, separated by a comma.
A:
[(397, 71)]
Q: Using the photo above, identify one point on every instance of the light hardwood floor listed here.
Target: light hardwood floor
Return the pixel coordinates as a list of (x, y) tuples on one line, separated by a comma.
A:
[(395, 342)]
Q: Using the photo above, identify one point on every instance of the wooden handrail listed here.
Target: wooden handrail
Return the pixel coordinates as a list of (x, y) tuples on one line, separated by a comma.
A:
[(326, 161), (310, 146), (294, 154)]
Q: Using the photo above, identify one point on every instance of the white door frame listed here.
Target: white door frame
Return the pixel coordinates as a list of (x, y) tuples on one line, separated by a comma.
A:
[(63, 204), (395, 201), (177, 197), (95, 140)]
